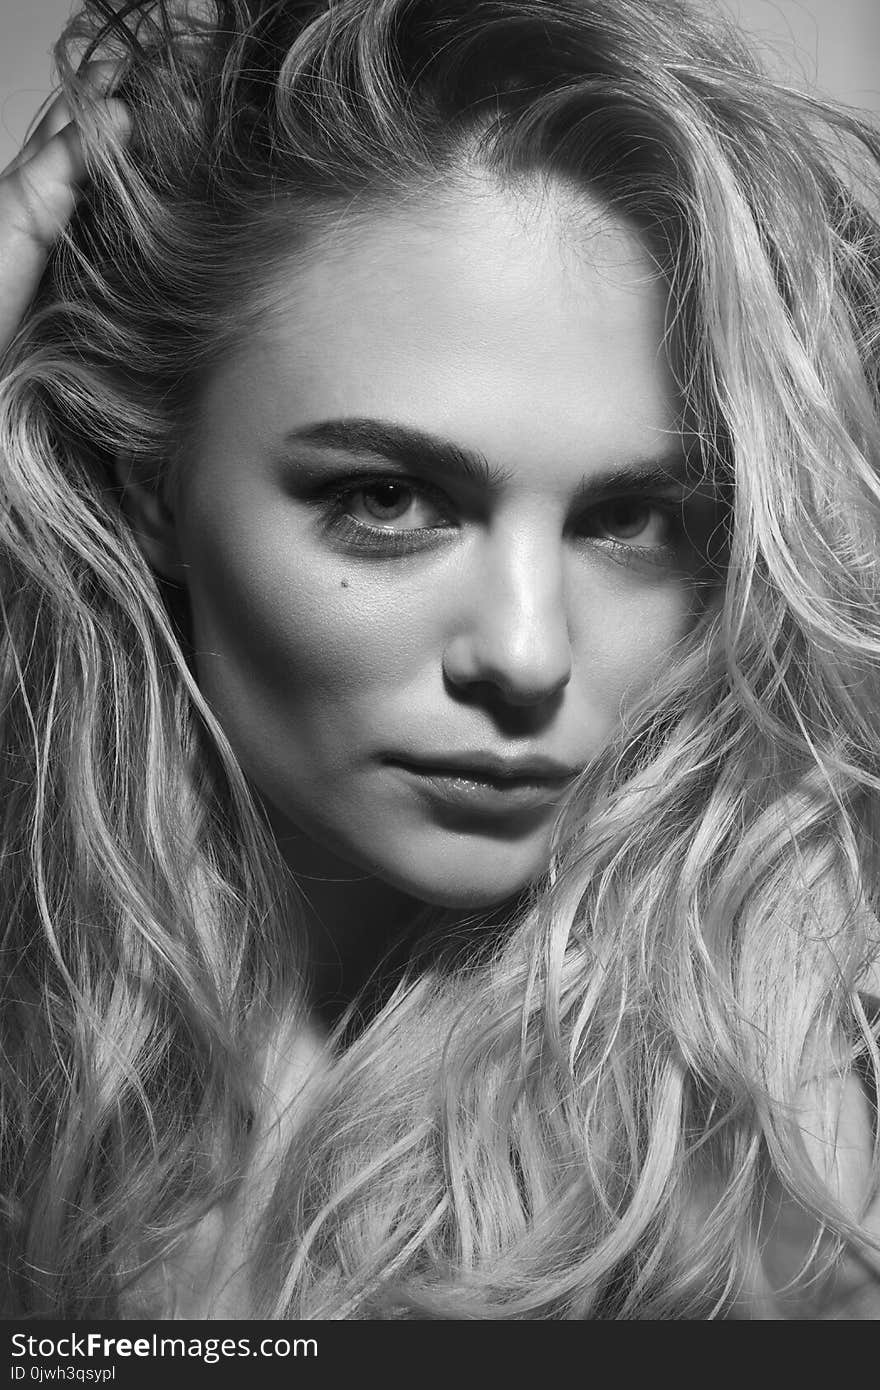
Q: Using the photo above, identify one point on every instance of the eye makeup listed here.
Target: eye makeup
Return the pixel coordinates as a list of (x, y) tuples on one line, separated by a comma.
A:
[(335, 475), (360, 536), (662, 515)]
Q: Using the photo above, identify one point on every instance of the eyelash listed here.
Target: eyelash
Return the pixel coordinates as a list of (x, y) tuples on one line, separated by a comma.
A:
[(361, 538), (631, 553)]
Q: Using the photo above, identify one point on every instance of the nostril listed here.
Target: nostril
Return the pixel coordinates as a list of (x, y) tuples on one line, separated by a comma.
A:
[(520, 680), (513, 645), (515, 716)]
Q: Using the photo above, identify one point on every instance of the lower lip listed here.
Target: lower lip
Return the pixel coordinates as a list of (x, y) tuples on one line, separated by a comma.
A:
[(482, 795)]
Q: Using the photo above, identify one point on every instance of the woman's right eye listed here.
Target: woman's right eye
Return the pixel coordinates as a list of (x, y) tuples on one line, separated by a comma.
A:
[(387, 516), (395, 505)]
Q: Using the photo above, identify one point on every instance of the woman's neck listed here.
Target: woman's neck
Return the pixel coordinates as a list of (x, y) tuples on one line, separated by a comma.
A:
[(352, 919), (362, 931)]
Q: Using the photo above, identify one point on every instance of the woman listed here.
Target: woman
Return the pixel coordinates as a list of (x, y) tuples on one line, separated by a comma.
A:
[(440, 517)]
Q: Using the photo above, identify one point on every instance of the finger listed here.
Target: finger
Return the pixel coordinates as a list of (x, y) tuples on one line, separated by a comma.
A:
[(36, 201), (37, 198), (39, 194), (100, 75), (55, 118)]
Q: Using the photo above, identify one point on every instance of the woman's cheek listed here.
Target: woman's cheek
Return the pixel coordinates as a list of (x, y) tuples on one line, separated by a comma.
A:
[(628, 638), (283, 625)]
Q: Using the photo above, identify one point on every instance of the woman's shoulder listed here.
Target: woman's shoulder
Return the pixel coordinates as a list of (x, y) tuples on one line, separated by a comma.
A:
[(209, 1276), (846, 1164)]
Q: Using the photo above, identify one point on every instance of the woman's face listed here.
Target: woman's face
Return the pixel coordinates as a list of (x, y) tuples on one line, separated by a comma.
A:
[(435, 529)]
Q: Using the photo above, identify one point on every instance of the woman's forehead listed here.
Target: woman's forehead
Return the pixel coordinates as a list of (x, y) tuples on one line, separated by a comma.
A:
[(483, 323)]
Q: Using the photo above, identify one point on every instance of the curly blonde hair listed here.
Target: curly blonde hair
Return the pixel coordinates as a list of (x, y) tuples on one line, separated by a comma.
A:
[(581, 1116)]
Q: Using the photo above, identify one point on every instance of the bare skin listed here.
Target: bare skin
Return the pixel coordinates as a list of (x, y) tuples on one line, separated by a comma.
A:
[(38, 192), (411, 624)]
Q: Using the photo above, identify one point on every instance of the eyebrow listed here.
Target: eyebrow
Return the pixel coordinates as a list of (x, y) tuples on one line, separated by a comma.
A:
[(415, 448)]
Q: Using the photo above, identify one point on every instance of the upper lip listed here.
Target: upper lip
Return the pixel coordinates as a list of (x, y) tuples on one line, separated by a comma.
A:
[(530, 768)]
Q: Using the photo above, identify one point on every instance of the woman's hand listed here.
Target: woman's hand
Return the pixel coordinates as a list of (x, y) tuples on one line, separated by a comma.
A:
[(38, 192)]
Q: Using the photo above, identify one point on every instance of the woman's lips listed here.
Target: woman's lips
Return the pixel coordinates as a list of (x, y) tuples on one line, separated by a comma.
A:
[(476, 790)]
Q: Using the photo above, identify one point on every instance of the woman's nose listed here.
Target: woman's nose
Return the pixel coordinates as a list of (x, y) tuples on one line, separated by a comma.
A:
[(513, 634)]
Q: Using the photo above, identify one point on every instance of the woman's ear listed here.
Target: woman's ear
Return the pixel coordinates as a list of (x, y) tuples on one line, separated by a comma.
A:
[(151, 519)]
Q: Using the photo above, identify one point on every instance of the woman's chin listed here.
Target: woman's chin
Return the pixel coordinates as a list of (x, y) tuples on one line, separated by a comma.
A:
[(460, 873), (463, 891), (456, 872)]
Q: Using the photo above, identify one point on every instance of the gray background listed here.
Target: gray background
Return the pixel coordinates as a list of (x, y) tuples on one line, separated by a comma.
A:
[(832, 44)]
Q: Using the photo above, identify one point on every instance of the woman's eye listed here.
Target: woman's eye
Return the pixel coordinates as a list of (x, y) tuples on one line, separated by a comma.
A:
[(631, 520), (393, 505)]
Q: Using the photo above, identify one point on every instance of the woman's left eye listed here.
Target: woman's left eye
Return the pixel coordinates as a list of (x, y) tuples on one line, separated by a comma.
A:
[(393, 505), (634, 521)]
